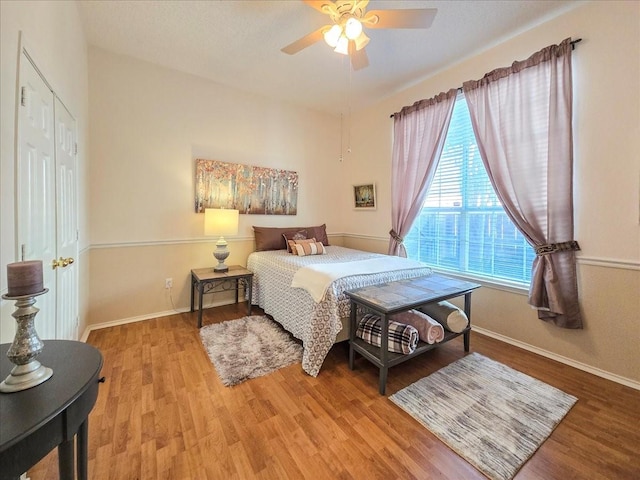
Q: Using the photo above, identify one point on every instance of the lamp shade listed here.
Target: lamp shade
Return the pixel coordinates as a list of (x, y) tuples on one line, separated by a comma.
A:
[(353, 28), (342, 46), (361, 41), (332, 35), (220, 221)]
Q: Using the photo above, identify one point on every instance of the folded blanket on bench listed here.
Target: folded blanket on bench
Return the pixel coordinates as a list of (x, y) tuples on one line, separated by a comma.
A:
[(428, 329), (402, 338)]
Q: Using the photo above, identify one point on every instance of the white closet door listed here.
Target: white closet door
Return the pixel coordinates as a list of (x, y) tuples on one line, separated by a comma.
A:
[(36, 196), (66, 224)]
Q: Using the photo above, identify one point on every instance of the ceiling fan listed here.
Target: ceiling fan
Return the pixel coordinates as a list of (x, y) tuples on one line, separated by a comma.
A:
[(346, 35)]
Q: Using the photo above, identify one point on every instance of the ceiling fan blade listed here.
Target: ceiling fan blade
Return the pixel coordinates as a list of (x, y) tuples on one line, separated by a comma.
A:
[(323, 6), (359, 58), (407, 18), (305, 41)]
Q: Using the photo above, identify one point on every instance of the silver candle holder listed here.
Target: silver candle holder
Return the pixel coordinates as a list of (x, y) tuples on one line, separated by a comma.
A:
[(28, 372)]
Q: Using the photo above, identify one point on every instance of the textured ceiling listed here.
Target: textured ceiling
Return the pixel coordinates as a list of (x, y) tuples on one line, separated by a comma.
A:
[(237, 43)]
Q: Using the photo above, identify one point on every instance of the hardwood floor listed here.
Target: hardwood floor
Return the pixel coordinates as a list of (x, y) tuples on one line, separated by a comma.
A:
[(163, 413)]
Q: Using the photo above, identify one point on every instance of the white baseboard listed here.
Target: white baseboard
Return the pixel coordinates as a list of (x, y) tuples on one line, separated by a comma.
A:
[(123, 321), (559, 358)]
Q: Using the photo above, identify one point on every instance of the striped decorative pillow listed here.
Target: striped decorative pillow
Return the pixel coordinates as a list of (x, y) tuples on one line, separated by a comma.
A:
[(309, 248), (292, 244)]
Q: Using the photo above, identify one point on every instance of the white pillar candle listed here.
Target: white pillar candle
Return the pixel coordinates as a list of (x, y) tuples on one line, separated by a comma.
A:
[(24, 278)]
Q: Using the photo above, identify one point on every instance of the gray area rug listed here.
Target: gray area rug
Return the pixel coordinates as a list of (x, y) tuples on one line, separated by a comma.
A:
[(248, 347), (489, 414)]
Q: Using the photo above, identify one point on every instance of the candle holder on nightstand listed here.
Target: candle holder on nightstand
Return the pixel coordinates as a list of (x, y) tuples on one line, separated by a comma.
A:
[(28, 372)]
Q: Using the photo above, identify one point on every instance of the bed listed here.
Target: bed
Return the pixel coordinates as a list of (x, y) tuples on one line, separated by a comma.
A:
[(319, 324)]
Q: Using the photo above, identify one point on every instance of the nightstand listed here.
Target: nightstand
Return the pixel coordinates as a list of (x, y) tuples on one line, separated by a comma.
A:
[(205, 280)]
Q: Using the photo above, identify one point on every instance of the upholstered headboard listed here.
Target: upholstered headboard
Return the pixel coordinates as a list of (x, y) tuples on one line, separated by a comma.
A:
[(271, 238)]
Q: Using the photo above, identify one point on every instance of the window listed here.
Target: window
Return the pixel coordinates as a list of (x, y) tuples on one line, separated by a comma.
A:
[(462, 226)]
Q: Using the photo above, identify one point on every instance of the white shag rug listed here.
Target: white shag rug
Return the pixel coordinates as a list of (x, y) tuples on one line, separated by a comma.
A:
[(248, 347)]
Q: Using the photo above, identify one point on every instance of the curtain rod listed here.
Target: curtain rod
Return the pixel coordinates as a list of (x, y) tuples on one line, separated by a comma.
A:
[(573, 47)]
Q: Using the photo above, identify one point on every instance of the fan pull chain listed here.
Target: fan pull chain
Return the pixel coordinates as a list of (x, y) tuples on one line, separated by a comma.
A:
[(341, 157), (349, 108)]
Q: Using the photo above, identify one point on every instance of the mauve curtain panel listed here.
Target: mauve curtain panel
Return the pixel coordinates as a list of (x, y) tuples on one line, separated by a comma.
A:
[(419, 132), (521, 117)]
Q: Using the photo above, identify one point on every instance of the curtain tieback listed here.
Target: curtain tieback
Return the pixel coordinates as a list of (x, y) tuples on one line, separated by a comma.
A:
[(395, 236), (550, 248)]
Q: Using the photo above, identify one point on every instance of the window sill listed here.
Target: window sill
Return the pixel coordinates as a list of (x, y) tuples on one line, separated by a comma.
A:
[(504, 285)]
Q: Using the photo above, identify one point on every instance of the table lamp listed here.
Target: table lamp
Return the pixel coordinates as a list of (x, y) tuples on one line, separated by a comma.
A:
[(221, 221)]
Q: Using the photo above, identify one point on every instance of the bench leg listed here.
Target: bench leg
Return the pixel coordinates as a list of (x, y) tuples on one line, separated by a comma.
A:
[(383, 380), (352, 356)]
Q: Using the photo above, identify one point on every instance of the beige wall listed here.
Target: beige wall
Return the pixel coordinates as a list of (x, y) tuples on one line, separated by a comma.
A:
[(606, 77), (115, 299), (148, 125), (53, 35)]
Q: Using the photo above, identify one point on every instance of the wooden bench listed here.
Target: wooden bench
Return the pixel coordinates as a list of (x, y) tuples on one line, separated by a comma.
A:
[(387, 299)]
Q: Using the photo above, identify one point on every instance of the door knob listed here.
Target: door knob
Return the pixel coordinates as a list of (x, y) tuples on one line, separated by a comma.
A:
[(61, 262)]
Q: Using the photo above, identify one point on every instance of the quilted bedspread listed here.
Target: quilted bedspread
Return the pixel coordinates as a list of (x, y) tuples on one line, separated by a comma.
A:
[(316, 324)]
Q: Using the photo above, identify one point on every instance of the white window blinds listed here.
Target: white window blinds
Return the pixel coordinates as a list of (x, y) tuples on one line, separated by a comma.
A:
[(462, 226)]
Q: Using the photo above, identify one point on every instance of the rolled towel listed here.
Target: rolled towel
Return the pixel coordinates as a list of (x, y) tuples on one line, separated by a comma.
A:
[(428, 329), (402, 338), (447, 314)]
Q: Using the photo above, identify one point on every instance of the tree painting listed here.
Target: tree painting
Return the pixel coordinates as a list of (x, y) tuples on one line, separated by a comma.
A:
[(251, 190)]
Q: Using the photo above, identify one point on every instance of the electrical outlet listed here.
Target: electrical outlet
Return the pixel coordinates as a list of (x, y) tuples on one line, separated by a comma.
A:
[(168, 283)]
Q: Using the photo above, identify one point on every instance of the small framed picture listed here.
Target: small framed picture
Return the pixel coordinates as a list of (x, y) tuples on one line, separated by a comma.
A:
[(364, 196)]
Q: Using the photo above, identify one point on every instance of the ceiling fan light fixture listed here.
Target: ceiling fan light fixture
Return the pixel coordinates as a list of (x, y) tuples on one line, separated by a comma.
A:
[(342, 46), (332, 36), (353, 28), (347, 18), (361, 41)]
